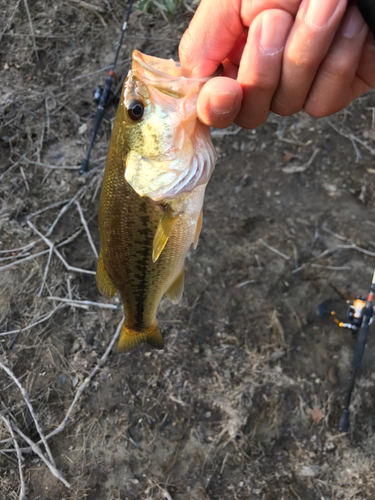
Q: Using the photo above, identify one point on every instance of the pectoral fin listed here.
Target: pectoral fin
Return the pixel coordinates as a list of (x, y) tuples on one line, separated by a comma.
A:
[(175, 291), (162, 233), (198, 229), (103, 281)]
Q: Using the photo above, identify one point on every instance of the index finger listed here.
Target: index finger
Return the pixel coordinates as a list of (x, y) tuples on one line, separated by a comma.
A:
[(216, 28)]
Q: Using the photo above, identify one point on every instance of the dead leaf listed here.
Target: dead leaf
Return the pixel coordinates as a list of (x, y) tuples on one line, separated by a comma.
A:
[(331, 374), (317, 415), (369, 134), (82, 129), (288, 157)]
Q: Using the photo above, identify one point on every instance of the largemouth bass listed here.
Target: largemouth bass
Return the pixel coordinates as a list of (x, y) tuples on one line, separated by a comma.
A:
[(159, 162)]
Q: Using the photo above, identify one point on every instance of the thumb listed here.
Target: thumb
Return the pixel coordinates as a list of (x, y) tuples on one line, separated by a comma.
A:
[(210, 37)]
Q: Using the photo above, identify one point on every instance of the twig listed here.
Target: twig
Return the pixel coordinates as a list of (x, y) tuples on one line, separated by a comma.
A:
[(338, 236), (41, 320), (31, 29), (35, 448), (85, 304), (316, 237), (30, 257), (274, 250), (33, 256), (293, 169), (86, 382), (12, 257), (47, 115), (79, 393), (8, 24), (222, 133), (84, 223), (89, 6), (51, 245), (24, 179), (19, 457), (351, 138), (298, 269), (166, 495), (244, 283), (329, 251), (23, 157), (362, 143), (332, 268), (52, 167), (20, 249), (295, 254), (353, 246), (42, 210), (295, 142), (31, 409), (46, 270), (67, 206)]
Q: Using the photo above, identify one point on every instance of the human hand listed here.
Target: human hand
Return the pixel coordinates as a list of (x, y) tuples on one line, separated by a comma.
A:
[(278, 55)]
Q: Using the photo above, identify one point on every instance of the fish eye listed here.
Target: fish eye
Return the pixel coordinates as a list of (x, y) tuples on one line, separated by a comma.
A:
[(135, 110)]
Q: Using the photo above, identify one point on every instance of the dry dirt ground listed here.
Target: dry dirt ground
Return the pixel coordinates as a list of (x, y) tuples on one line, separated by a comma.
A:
[(244, 401)]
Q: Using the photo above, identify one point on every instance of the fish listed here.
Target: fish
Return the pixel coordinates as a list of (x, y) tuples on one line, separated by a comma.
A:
[(159, 162)]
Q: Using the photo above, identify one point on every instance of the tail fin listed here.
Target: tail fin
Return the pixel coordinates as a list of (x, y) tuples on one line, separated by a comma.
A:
[(130, 339)]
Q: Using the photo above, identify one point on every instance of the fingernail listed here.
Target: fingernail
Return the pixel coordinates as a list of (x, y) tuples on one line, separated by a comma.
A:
[(352, 23), (319, 12), (274, 32), (222, 103)]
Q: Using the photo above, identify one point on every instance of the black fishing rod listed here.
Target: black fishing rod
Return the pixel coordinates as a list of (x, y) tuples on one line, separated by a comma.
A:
[(103, 96), (360, 315), (367, 316)]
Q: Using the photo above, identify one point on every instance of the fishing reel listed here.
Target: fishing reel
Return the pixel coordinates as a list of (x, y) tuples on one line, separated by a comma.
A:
[(353, 314), (110, 97), (360, 315)]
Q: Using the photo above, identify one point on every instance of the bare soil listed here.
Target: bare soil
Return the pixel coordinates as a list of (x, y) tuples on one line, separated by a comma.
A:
[(244, 400)]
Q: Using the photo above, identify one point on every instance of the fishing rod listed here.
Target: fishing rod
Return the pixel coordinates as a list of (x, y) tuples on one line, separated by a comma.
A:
[(367, 314), (360, 315), (103, 96)]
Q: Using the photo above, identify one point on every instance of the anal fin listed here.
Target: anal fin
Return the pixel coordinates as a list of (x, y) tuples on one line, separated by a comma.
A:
[(130, 339), (198, 229), (103, 281), (175, 291), (162, 233)]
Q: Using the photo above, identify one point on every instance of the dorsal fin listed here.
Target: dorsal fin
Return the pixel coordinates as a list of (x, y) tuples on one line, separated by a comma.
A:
[(162, 233)]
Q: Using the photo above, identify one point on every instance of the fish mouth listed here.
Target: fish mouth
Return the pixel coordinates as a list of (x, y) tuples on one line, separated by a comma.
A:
[(167, 69)]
